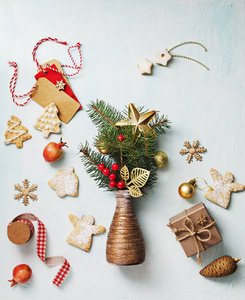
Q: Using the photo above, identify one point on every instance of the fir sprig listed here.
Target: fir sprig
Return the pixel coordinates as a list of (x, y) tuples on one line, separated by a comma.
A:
[(135, 151), (91, 160), (103, 114), (160, 124)]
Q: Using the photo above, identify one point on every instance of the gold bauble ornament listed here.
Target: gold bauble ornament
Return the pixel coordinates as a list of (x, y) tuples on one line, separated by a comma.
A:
[(187, 190), (161, 159), (103, 148)]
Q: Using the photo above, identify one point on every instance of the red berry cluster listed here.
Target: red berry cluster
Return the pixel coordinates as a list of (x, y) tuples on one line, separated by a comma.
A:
[(112, 176)]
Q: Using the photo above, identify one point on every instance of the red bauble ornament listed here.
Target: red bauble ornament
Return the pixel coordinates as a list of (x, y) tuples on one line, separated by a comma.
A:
[(115, 167), (101, 167), (53, 151), (112, 176), (121, 185), (106, 172), (112, 184), (120, 138), (21, 274)]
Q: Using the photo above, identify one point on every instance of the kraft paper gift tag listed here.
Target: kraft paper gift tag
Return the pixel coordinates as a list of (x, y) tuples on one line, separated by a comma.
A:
[(47, 93)]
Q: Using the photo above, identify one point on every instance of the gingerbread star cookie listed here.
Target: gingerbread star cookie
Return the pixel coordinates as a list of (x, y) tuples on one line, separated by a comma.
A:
[(162, 58), (65, 182), (81, 236), (145, 66), (220, 191), (16, 133)]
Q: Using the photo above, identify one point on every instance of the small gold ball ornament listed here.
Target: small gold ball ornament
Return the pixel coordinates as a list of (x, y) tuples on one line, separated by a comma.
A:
[(161, 159), (103, 148), (187, 190)]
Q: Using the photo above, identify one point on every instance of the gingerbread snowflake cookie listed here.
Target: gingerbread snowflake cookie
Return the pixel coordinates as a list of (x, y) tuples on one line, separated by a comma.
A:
[(81, 236), (49, 121), (25, 192), (192, 151), (220, 191), (65, 182), (16, 133)]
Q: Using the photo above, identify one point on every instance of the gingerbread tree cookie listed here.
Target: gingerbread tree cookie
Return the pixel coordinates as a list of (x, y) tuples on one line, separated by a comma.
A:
[(16, 133), (220, 191), (81, 236), (49, 121), (65, 182)]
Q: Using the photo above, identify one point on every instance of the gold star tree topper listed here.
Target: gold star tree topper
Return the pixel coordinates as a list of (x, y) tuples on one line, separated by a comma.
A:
[(140, 121)]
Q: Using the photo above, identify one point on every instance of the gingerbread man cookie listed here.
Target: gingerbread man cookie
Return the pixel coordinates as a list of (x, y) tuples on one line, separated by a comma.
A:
[(81, 236), (220, 191), (16, 133), (65, 182)]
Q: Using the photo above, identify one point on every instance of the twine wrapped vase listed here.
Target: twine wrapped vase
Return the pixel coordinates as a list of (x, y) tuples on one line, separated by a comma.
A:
[(125, 242)]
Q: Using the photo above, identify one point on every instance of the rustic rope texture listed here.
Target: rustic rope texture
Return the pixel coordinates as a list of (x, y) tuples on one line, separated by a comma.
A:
[(125, 242)]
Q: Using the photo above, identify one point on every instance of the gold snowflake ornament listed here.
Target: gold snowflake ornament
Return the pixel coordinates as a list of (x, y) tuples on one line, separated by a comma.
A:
[(25, 192), (60, 85), (193, 150)]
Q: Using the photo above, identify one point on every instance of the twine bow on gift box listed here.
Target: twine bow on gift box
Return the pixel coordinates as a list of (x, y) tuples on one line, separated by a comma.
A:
[(189, 227)]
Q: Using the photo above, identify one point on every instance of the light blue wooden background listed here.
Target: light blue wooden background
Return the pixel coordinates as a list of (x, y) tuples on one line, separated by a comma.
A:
[(205, 105)]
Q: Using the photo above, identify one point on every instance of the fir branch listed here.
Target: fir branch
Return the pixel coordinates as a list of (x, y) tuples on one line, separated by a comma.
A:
[(136, 150), (103, 115), (136, 160), (95, 108), (146, 151), (160, 124), (88, 156), (91, 160)]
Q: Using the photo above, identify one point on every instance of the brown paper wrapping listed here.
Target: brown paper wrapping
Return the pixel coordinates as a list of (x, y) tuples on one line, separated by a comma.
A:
[(188, 244)]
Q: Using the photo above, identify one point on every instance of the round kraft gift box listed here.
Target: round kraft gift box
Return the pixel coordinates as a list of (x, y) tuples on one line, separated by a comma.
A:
[(19, 232)]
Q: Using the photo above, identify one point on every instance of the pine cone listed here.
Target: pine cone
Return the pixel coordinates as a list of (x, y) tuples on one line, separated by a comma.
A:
[(223, 266)]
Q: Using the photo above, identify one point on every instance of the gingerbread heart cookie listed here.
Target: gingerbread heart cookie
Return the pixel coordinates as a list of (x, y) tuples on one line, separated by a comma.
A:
[(220, 191)]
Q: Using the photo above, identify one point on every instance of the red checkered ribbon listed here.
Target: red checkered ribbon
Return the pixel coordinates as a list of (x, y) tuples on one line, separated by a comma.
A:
[(41, 246), (12, 84)]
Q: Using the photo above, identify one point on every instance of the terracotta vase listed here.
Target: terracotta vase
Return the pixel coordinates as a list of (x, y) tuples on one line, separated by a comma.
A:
[(125, 242)]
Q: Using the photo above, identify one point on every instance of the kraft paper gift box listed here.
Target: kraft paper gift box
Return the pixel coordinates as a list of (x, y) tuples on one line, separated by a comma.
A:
[(193, 236)]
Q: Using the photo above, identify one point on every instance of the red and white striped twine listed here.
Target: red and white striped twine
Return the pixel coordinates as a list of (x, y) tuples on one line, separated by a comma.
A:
[(12, 84)]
